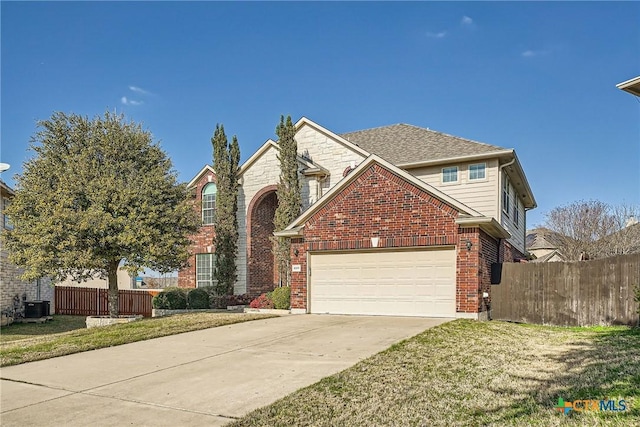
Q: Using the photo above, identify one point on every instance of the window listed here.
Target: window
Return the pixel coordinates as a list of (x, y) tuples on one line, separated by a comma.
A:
[(516, 212), (205, 267), (450, 174), (209, 204), (506, 195), (477, 171), (6, 222)]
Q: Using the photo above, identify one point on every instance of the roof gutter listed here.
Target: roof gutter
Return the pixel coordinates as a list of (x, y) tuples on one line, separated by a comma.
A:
[(485, 223), (293, 232)]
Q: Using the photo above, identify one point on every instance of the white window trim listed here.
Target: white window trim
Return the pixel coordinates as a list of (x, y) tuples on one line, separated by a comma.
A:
[(450, 182), (202, 210), (6, 221), (212, 266), (506, 201), (484, 178)]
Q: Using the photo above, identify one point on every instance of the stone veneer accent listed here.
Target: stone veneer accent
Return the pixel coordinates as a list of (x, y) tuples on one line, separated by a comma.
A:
[(11, 285), (317, 147)]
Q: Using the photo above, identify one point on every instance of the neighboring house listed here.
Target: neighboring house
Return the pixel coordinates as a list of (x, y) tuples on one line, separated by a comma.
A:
[(631, 86), (396, 220), (623, 242), (542, 244), (13, 290), (125, 281)]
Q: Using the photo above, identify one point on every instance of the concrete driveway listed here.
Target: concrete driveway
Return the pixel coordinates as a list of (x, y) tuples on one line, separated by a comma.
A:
[(207, 377)]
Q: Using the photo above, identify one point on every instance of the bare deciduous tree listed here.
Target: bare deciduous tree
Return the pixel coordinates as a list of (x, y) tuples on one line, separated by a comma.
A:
[(595, 228), (626, 238)]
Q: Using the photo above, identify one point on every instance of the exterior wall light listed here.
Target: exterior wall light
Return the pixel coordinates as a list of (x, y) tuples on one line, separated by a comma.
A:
[(296, 252), (469, 244)]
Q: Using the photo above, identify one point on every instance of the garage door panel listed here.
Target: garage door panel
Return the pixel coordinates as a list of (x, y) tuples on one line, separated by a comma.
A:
[(409, 283)]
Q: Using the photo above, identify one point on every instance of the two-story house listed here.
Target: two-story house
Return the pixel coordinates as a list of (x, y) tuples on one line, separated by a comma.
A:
[(396, 220)]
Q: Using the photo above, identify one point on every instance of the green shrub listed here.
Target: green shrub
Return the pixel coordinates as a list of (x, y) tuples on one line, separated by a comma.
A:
[(171, 299), (198, 299), (160, 301), (177, 298), (281, 298)]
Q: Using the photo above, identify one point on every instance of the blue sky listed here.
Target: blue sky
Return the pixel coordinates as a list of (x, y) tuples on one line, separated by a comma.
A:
[(537, 77)]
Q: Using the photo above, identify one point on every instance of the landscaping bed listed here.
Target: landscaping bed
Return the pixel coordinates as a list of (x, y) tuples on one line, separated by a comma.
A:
[(468, 373)]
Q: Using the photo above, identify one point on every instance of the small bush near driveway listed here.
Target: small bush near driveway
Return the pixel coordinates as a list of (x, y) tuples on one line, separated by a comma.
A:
[(263, 301), (467, 373), (281, 298)]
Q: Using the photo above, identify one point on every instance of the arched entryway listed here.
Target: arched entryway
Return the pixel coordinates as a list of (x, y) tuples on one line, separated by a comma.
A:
[(262, 275)]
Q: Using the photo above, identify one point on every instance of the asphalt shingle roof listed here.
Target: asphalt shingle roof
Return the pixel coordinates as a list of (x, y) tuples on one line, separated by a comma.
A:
[(402, 143), (542, 238)]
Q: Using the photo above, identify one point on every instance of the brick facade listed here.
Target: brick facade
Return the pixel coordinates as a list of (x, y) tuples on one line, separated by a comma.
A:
[(382, 202), (262, 274), (379, 203), (202, 240)]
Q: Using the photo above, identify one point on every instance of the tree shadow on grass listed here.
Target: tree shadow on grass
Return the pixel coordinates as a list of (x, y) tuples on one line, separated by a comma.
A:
[(603, 365), (59, 324)]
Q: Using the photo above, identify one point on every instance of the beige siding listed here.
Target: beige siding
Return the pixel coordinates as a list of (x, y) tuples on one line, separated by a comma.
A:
[(481, 195), (485, 196), (518, 232)]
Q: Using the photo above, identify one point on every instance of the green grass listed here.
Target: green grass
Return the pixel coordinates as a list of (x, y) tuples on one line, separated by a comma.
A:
[(29, 342), (59, 324), (467, 373)]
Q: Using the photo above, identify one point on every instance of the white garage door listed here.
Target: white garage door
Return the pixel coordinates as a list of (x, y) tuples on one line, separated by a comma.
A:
[(402, 283)]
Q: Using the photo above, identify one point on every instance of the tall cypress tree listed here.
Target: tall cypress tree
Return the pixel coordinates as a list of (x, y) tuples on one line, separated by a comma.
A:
[(225, 164), (289, 197)]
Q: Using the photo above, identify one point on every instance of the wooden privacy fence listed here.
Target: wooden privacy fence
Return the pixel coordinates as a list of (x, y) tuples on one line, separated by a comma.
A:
[(598, 292), (94, 301)]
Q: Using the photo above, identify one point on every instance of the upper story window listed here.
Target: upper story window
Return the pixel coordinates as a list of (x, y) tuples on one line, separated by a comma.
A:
[(209, 204), (450, 174), (516, 212), (477, 171), (506, 195), (6, 222)]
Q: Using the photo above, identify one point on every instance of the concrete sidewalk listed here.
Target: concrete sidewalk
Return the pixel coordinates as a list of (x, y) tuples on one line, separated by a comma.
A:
[(207, 377)]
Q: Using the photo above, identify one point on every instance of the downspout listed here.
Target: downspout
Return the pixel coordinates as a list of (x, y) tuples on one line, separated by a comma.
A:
[(500, 257)]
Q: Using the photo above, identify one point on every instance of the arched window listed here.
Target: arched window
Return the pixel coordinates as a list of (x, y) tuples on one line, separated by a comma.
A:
[(209, 204)]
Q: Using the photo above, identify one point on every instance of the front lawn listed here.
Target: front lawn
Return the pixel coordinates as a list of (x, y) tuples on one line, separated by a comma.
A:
[(467, 373), (28, 342), (59, 324)]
